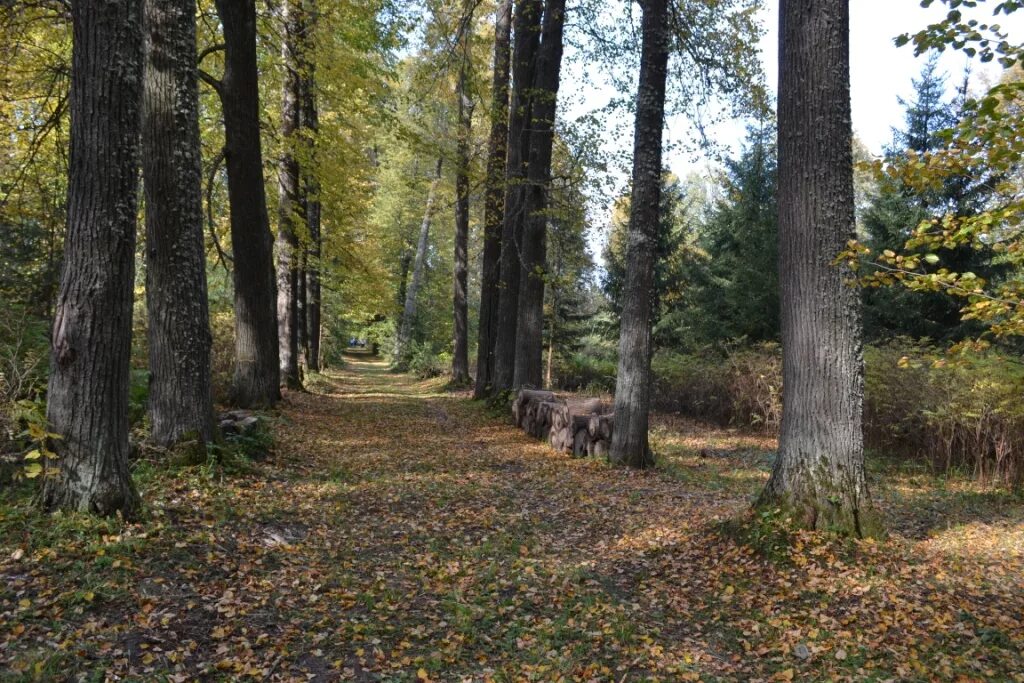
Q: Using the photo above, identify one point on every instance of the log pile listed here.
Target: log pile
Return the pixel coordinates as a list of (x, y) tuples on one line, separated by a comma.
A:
[(577, 428)]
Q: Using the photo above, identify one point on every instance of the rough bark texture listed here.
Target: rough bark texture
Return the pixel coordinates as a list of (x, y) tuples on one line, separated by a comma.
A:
[(289, 261), (460, 303), (494, 201), (527, 40), (629, 445), (409, 311), (311, 122), (256, 381), (180, 399), (87, 400), (819, 472), (529, 365)]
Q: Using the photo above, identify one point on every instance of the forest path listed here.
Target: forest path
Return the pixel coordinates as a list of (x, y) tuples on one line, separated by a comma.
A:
[(400, 532)]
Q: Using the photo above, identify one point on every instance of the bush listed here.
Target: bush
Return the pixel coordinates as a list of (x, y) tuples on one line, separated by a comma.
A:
[(742, 388), (425, 362), (960, 412), (24, 355)]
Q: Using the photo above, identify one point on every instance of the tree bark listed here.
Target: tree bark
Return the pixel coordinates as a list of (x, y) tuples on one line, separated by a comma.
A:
[(819, 472), (409, 311), (311, 123), (494, 201), (527, 40), (87, 399), (180, 398), (632, 387), (529, 337), (256, 380), (289, 261), (460, 304)]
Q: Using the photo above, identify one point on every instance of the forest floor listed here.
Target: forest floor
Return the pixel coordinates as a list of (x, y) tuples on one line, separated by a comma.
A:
[(399, 532)]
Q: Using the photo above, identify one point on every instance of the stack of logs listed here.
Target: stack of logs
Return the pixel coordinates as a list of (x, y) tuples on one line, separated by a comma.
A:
[(578, 427)]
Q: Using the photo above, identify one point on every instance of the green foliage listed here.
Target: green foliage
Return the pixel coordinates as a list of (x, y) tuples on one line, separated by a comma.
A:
[(984, 144), (736, 286), (425, 362), (896, 208), (957, 412)]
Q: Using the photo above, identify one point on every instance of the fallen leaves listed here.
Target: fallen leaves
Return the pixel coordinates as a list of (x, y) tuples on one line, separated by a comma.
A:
[(381, 544)]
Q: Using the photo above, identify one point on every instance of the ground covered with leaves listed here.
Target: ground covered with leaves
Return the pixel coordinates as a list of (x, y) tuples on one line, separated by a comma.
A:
[(398, 532)]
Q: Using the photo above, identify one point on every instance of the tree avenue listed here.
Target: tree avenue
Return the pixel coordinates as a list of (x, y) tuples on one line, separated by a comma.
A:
[(301, 294)]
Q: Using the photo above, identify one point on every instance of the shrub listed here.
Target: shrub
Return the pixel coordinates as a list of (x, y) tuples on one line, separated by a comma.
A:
[(742, 388), (425, 362), (960, 412)]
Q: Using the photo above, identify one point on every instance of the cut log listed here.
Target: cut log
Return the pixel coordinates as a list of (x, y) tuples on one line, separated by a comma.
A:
[(523, 402), (578, 427)]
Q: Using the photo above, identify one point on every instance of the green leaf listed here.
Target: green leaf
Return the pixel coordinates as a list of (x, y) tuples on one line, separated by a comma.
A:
[(33, 470)]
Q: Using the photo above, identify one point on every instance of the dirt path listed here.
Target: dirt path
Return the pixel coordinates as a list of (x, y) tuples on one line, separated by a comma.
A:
[(401, 533)]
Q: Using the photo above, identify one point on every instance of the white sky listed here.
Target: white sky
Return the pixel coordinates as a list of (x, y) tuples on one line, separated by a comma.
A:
[(880, 73)]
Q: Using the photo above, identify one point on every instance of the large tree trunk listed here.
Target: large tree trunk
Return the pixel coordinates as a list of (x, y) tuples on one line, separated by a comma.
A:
[(819, 472), (180, 399), (409, 312), (87, 400), (533, 247), (289, 261), (311, 122), (527, 40), (460, 304), (632, 387), (494, 201), (256, 380)]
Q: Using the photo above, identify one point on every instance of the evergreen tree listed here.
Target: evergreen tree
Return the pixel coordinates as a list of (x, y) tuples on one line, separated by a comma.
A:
[(896, 210), (738, 291)]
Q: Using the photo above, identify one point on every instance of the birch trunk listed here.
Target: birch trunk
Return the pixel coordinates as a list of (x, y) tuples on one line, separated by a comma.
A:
[(409, 311)]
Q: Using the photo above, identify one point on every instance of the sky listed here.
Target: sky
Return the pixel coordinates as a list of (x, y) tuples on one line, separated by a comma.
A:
[(880, 73)]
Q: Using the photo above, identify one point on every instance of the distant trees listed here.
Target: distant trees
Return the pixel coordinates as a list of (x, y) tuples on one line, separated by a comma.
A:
[(87, 399), (819, 473), (896, 209)]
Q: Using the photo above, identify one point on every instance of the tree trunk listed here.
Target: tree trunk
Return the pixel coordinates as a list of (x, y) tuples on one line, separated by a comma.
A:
[(494, 201), (460, 349), (819, 472), (256, 380), (311, 122), (529, 367), (289, 266), (87, 399), (632, 387), (409, 312), (527, 40), (180, 399)]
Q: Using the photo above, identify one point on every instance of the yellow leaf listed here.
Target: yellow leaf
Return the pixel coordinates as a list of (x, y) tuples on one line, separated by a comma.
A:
[(422, 674), (33, 470), (33, 455)]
